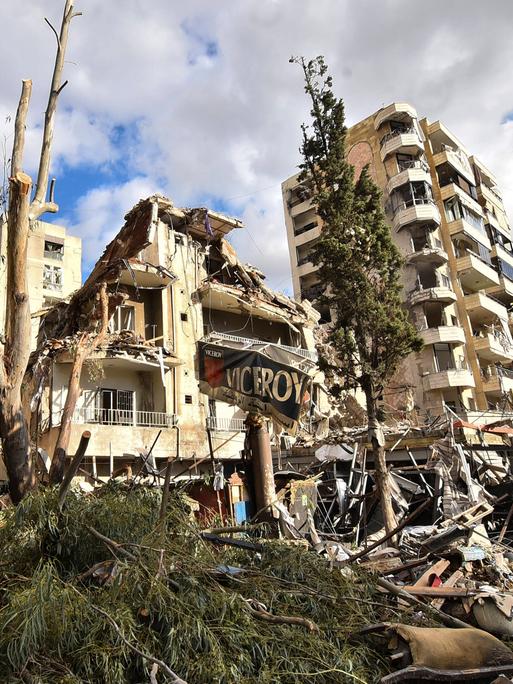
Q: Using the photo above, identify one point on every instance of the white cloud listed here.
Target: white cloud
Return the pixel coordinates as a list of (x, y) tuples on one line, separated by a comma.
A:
[(216, 106)]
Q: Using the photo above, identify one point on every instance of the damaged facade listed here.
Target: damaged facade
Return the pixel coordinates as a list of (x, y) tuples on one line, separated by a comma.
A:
[(448, 219), (173, 281)]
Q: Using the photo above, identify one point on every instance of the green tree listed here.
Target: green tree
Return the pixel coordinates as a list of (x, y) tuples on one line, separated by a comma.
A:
[(359, 264)]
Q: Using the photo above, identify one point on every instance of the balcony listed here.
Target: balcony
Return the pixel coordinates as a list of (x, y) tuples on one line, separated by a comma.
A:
[(247, 342), (127, 417), (497, 380), (226, 424), (482, 308), (457, 376), (306, 268), (421, 210), (459, 162), (441, 293), (395, 111), (405, 142), (495, 348), (503, 291), (454, 190), (431, 253), (471, 229), (490, 195), (415, 170), (301, 207), (305, 236), (312, 293), (452, 334), (474, 273)]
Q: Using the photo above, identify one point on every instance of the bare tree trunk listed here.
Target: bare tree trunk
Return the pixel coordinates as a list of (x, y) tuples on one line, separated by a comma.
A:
[(87, 343), (15, 345), (380, 465)]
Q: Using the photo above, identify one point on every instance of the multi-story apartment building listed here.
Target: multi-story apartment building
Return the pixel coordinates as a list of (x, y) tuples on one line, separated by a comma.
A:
[(181, 285), (448, 219), (54, 267)]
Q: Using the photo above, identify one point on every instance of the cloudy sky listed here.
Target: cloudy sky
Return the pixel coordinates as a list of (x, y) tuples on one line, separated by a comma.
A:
[(197, 99)]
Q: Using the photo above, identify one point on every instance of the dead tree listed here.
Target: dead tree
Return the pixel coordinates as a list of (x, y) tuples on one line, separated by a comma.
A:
[(87, 343), (22, 212)]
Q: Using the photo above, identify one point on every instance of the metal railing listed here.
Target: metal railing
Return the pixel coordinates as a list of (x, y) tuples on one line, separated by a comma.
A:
[(248, 342), (449, 365), (404, 165), (413, 202), (226, 424), (407, 130), (49, 254), (305, 228), (101, 416)]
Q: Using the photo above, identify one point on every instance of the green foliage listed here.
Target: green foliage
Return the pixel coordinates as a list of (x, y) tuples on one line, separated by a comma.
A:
[(170, 602), (359, 263)]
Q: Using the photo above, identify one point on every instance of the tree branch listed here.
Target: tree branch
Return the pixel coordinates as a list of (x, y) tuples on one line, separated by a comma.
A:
[(19, 128), (39, 206)]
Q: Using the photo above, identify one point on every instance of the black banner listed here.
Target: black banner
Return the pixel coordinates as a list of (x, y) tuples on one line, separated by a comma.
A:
[(253, 381)]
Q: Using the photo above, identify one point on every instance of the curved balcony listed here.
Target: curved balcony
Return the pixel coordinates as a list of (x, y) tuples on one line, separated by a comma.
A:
[(441, 293), (422, 210), (474, 273), (413, 171), (404, 142), (452, 377), (494, 348), (451, 334), (397, 111), (429, 254)]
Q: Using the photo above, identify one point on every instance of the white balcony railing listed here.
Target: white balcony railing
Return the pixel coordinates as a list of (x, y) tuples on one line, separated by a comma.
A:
[(226, 424), (246, 341), (119, 417)]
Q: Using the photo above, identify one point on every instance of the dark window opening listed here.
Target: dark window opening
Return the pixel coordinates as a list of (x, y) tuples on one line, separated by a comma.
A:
[(183, 316), (188, 398)]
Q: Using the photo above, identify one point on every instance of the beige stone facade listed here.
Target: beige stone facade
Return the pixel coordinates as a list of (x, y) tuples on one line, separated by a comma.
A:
[(448, 219), (54, 267)]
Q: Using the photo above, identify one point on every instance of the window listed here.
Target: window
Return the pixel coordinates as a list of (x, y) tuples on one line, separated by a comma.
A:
[(109, 406), (122, 319), (53, 250), (188, 398), (183, 316), (52, 277)]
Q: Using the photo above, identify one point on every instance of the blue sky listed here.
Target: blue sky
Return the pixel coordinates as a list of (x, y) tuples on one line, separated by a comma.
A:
[(198, 100)]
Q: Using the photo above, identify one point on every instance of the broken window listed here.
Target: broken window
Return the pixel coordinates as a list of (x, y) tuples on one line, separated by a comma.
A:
[(52, 277), (122, 319), (54, 250), (108, 406)]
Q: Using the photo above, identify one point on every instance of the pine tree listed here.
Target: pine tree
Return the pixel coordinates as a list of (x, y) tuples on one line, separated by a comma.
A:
[(359, 264)]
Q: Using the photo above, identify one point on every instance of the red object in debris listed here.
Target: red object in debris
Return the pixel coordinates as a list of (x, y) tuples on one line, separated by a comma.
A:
[(436, 581)]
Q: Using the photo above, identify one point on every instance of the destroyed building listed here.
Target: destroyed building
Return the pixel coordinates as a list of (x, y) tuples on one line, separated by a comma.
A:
[(448, 219), (173, 282)]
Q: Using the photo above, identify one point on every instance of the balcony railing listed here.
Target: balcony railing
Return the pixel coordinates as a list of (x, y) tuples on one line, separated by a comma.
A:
[(406, 164), (407, 130), (103, 416), (449, 365), (412, 202), (50, 254), (304, 229), (226, 424), (248, 342)]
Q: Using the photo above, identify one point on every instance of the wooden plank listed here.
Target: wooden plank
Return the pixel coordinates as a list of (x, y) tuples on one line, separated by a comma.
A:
[(428, 674), (451, 581), (437, 592)]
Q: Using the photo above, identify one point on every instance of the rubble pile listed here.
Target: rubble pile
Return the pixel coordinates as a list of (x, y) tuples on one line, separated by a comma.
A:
[(451, 553)]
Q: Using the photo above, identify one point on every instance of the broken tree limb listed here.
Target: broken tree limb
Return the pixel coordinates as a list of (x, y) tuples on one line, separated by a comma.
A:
[(410, 518), (445, 619), (39, 204), (262, 614), (113, 546), (73, 468), (230, 541), (87, 343), (175, 679), (167, 478)]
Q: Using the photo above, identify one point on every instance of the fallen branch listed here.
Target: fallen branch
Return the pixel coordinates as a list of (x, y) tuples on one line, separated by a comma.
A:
[(262, 614), (113, 546), (73, 468), (413, 600), (174, 677)]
